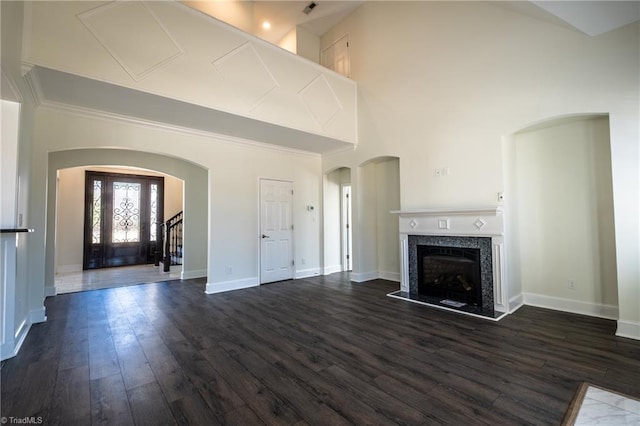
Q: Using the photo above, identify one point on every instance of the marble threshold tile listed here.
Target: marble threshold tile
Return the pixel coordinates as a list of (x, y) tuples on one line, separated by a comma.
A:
[(602, 407)]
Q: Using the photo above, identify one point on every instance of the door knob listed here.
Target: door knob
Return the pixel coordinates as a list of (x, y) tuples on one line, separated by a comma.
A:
[(265, 236)]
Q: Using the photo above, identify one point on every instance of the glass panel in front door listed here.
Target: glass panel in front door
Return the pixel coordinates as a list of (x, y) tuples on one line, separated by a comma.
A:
[(126, 212)]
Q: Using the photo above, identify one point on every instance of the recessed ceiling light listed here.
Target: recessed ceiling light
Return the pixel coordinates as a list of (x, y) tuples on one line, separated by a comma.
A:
[(266, 25)]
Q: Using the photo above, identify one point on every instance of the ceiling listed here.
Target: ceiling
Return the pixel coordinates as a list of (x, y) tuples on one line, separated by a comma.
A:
[(592, 17)]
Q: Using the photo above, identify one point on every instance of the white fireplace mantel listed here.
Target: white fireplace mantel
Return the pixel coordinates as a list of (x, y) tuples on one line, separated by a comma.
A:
[(473, 221)]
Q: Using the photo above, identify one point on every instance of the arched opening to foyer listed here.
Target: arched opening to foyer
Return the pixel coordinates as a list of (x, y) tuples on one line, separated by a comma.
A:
[(559, 215), (193, 201), (101, 243)]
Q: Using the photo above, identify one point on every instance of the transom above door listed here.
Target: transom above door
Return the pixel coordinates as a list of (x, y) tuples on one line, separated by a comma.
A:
[(122, 213)]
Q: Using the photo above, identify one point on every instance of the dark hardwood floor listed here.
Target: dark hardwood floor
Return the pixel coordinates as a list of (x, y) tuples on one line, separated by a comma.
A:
[(313, 351)]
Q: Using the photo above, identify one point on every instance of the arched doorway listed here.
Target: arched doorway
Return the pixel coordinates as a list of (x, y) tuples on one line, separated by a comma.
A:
[(82, 204), (195, 200)]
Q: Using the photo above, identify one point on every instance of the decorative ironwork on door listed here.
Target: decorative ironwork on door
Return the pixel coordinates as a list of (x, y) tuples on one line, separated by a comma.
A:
[(126, 212), (121, 216)]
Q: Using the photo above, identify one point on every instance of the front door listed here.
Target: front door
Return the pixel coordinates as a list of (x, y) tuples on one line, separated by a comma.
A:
[(276, 230), (121, 216)]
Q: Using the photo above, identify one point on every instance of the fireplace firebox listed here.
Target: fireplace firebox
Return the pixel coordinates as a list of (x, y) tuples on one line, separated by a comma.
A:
[(450, 273)]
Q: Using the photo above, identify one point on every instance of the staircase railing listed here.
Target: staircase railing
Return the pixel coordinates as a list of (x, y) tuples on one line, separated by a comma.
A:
[(171, 232)]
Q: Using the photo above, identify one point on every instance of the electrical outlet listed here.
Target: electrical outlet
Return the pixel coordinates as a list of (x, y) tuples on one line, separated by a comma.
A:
[(571, 284), (229, 270)]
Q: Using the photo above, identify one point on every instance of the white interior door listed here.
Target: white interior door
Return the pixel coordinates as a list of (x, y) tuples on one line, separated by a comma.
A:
[(276, 230)]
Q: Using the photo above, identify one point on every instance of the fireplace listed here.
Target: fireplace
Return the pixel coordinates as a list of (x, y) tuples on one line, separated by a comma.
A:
[(453, 259), (439, 283), (450, 273)]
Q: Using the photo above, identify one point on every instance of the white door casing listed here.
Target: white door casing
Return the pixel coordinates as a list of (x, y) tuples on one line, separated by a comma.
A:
[(276, 230), (347, 242)]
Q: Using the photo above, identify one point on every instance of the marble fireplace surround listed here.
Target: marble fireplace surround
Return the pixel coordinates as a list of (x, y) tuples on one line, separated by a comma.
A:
[(427, 226)]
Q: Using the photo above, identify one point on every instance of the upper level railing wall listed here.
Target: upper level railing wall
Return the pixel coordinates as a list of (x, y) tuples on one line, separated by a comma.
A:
[(171, 50)]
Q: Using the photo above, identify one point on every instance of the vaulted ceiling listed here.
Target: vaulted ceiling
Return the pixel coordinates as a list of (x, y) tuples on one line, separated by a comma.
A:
[(590, 17)]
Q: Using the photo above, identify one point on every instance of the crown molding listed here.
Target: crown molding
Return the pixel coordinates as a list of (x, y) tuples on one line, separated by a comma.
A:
[(30, 74), (341, 150)]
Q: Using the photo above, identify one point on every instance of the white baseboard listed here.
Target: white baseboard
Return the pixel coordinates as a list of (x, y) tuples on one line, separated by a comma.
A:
[(629, 329), (7, 350), (389, 276), (37, 315), (365, 276), (196, 273), (222, 286), (574, 306), (332, 269), (516, 303), (12, 347), (65, 269), (305, 273), (374, 275)]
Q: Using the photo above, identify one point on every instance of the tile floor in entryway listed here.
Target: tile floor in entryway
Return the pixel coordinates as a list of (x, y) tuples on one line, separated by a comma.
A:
[(71, 282)]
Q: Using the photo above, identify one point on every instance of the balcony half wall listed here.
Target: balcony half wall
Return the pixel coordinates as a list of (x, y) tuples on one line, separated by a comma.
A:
[(166, 62)]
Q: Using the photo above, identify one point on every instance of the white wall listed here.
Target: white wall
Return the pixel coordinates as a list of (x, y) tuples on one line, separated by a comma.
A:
[(288, 42), (307, 45), (236, 13), (69, 220), (388, 199), (441, 84), (173, 200), (375, 231), (10, 116), (70, 211), (234, 170), (302, 43), (565, 216)]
